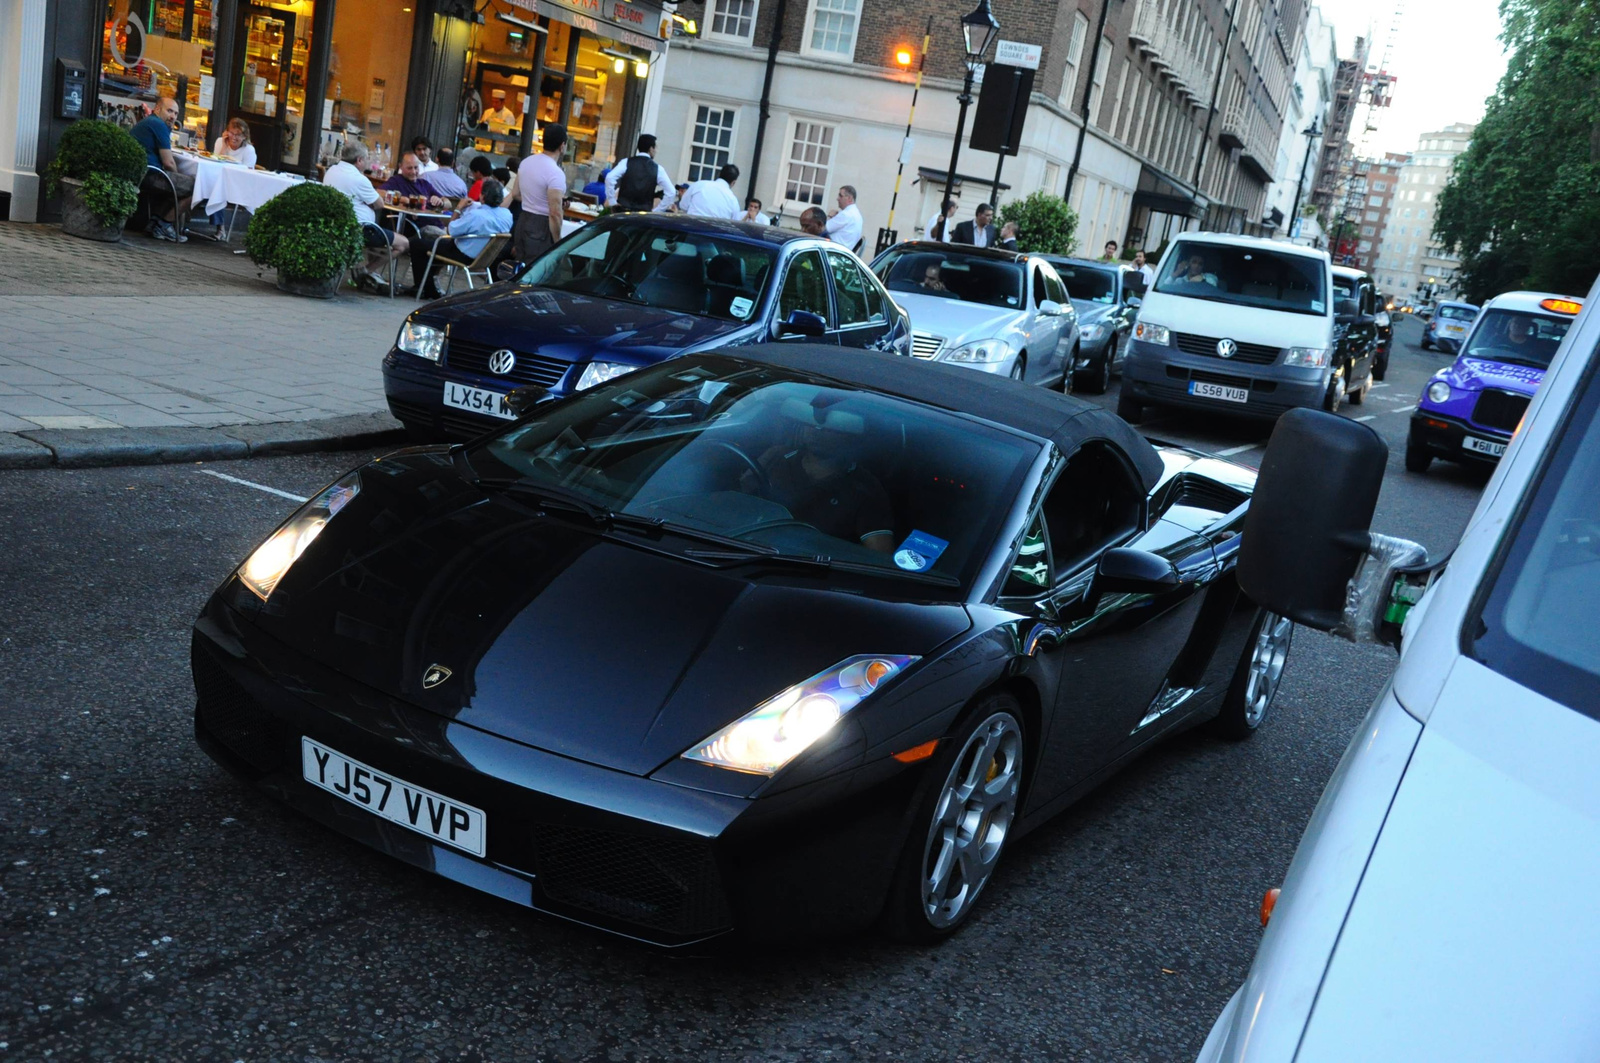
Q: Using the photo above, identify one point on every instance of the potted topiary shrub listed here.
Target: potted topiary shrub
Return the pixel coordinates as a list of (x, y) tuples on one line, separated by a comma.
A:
[(96, 171), (310, 235)]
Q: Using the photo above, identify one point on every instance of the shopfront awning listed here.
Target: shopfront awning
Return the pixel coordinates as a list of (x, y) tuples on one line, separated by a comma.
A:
[(637, 24), (1164, 194)]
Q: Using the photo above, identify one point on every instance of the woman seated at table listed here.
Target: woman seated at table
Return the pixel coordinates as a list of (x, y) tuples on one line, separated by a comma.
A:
[(234, 143), (465, 240)]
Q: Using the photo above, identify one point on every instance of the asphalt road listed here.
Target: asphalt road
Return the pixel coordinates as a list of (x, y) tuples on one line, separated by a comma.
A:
[(154, 908)]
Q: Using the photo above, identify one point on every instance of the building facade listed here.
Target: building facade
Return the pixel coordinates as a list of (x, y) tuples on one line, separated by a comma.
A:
[(1185, 102), (1410, 261), (1316, 63), (1333, 169), (1370, 212)]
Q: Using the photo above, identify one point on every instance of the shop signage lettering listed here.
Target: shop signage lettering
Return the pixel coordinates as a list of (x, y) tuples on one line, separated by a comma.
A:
[(627, 13), (612, 19)]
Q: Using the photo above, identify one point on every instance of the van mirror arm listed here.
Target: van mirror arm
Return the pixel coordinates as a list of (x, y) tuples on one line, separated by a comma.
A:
[(1392, 578)]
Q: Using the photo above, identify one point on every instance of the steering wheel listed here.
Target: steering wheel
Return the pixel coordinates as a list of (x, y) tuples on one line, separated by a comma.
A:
[(763, 483)]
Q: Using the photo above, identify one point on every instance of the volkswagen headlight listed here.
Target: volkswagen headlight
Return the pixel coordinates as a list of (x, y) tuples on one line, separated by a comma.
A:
[(782, 727), (1160, 335), (986, 352), (1309, 357), (1438, 391), (272, 560), (599, 372), (424, 341)]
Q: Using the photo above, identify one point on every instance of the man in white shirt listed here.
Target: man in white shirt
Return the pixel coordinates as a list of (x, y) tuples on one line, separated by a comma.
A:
[(628, 186), (1138, 264), (422, 148), (933, 230), (752, 213), (713, 198), (540, 186), (346, 176), (500, 114), (844, 226)]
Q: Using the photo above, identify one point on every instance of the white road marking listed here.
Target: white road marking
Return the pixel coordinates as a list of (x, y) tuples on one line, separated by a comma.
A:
[(1405, 409), (1368, 417), (1236, 450), (248, 483), (1376, 386)]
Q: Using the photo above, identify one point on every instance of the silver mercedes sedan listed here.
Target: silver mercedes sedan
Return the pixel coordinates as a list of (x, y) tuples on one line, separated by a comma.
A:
[(999, 312)]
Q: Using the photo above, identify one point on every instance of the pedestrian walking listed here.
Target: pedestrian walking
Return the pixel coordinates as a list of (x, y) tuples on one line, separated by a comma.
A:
[(635, 185), (844, 226), (979, 232), (713, 197), (540, 186), (939, 226)]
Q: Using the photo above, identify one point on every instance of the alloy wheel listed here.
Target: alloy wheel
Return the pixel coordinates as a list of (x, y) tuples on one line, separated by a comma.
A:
[(1266, 666), (971, 820)]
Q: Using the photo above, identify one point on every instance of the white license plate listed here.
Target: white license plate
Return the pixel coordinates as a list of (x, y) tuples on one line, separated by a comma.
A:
[(1483, 446), (397, 801), (491, 403), (1218, 391)]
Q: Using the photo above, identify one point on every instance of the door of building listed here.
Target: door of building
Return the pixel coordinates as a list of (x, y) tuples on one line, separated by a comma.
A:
[(267, 65)]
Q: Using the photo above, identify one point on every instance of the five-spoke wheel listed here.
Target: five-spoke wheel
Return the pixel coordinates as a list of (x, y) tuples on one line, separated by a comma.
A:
[(1255, 682)]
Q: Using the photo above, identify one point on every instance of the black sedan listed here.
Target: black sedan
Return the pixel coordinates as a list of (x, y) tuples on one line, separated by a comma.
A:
[(627, 291), (1106, 303), (780, 640)]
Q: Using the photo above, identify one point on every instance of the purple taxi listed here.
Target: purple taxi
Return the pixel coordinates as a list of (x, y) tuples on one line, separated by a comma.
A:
[(1472, 407)]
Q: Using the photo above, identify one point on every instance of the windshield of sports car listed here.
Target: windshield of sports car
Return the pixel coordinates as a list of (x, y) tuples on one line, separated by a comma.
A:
[(1245, 276), (660, 267), (1087, 283), (765, 462), (952, 275), (1517, 337)]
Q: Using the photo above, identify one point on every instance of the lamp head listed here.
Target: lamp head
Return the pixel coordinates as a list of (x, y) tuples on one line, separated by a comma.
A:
[(978, 30)]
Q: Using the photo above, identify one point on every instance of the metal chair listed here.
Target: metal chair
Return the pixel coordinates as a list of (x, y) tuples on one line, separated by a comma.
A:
[(482, 263), (180, 222), (388, 239)]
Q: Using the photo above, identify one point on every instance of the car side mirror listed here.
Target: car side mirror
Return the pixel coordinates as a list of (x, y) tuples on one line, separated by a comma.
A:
[(520, 400), (1133, 279), (1126, 570), (1049, 308), (1308, 526), (1133, 301), (1346, 309), (802, 323)]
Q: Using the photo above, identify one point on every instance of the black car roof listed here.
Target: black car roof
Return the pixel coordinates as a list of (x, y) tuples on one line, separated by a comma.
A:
[(693, 223), (1069, 422)]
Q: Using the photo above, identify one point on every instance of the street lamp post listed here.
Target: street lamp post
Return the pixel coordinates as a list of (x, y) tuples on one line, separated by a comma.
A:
[(978, 31), (1311, 136)]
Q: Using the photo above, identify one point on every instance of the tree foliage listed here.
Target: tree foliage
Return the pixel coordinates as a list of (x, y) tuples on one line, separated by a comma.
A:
[(1522, 209), (1045, 224)]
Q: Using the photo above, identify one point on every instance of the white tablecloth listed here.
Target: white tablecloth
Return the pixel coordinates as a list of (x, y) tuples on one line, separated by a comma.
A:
[(220, 185)]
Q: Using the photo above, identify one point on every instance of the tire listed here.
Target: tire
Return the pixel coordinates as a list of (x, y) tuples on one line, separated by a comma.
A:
[(1335, 396), (1426, 345), (1019, 368), (1097, 378), (1256, 679), (964, 816), (1129, 410), (1417, 457), (1380, 366), (1358, 397)]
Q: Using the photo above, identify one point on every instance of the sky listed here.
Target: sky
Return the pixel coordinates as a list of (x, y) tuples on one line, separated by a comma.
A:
[(1446, 54)]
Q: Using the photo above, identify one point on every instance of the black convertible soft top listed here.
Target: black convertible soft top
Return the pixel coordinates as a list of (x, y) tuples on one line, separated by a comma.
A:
[(1069, 422)]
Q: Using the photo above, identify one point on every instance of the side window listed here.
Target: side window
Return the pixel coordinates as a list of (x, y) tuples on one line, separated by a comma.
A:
[(1039, 293), (805, 288), (1095, 503), (849, 291), (1053, 287), (1030, 573)]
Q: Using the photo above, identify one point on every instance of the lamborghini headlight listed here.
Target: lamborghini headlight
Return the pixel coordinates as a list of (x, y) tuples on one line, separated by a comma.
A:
[(784, 726), (272, 559)]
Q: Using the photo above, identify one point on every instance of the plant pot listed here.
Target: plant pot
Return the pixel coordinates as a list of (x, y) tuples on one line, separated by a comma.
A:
[(78, 220), (311, 287)]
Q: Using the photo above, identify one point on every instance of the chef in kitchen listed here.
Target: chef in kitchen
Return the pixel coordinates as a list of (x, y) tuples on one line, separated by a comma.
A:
[(500, 114)]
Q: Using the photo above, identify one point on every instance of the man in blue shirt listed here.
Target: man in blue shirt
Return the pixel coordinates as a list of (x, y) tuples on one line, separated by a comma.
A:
[(154, 134), (466, 239)]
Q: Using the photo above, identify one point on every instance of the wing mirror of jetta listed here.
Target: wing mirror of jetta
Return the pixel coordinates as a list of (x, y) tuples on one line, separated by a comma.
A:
[(802, 323), (1309, 552)]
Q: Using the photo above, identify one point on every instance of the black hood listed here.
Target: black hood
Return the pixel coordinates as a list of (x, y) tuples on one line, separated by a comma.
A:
[(556, 636)]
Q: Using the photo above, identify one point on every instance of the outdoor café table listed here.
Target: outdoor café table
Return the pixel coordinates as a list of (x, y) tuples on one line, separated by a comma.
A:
[(220, 185), (417, 217)]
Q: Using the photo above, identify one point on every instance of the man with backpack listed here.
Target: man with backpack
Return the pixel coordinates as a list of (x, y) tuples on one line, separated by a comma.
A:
[(635, 184)]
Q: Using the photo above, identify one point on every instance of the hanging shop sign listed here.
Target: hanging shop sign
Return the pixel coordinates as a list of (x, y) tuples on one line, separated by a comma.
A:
[(634, 24)]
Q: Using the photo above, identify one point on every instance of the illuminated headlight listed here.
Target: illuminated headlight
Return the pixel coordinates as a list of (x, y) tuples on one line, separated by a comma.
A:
[(273, 558), (783, 727), (1157, 334), (984, 351), (599, 372), (424, 341), (1438, 391), (1309, 357)]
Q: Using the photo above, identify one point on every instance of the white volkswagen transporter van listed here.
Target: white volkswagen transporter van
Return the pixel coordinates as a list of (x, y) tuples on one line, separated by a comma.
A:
[(1235, 325), (1441, 905)]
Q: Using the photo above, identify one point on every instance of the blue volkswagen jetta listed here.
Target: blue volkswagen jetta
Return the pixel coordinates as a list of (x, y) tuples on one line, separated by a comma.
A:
[(628, 291)]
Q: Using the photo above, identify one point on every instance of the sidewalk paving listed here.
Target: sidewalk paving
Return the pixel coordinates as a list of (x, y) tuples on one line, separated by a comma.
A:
[(141, 352)]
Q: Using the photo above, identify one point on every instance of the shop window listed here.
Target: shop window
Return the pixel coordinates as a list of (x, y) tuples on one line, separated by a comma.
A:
[(368, 64), (734, 19), (832, 29), (712, 144), (159, 48), (810, 157)]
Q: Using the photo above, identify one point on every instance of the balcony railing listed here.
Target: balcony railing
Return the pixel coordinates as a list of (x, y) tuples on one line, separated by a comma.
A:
[(1168, 53), (1244, 127)]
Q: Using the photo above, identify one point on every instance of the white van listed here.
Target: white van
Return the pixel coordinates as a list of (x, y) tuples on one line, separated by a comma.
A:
[(1237, 325), (1441, 903)]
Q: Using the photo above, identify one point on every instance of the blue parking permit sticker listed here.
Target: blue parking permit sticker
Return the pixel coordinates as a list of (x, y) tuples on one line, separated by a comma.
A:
[(919, 552)]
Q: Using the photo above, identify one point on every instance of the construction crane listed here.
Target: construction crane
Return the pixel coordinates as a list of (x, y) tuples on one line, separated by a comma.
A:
[(1377, 84)]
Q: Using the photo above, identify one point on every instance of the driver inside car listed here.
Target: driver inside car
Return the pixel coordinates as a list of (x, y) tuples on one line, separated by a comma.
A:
[(818, 480)]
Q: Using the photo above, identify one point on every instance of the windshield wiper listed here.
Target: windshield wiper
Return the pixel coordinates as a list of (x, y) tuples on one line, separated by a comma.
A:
[(550, 499)]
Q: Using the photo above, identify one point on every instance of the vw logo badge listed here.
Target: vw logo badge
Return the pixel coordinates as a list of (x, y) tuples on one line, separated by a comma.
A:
[(502, 361), (1225, 349)]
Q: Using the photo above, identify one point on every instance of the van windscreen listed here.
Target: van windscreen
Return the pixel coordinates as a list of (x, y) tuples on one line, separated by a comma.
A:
[(1246, 276)]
